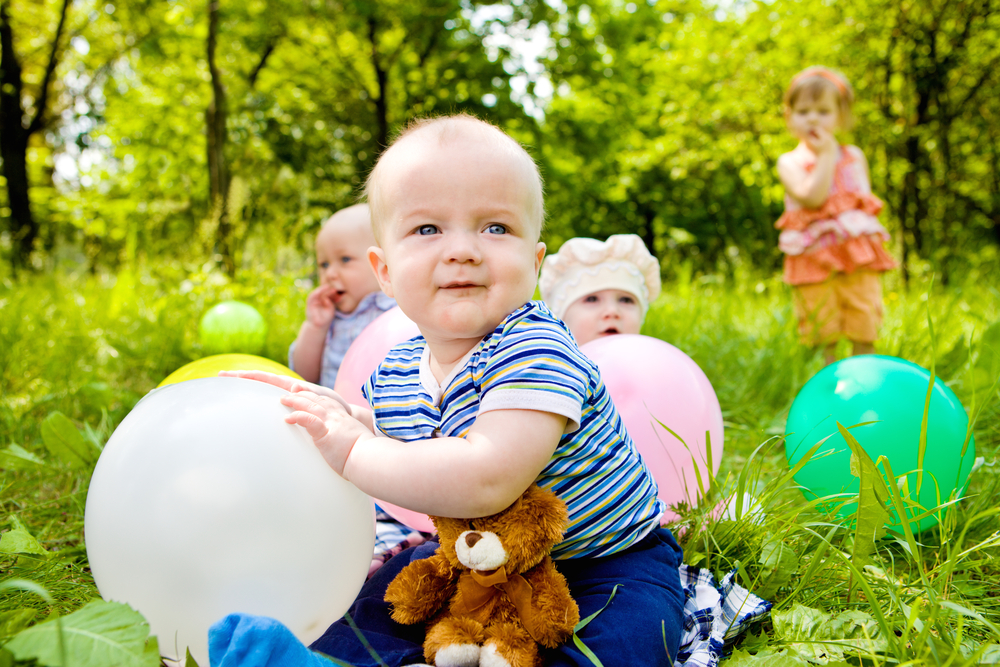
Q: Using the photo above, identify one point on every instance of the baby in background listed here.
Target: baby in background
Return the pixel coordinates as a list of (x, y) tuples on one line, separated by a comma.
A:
[(347, 300), (492, 397), (832, 240), (600, 288)]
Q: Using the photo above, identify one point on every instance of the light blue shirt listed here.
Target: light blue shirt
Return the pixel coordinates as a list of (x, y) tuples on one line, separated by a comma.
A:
[(342, 332)]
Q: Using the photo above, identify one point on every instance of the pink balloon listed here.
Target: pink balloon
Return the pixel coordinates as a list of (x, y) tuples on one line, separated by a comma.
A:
[(651, 380), (414, 520), (362, 358), (369, 349)]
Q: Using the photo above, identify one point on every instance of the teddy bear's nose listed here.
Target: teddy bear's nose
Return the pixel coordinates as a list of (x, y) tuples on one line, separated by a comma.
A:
[(472, 538)]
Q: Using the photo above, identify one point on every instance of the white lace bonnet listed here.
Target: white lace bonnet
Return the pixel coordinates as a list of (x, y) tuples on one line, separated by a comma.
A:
[(584, 266)]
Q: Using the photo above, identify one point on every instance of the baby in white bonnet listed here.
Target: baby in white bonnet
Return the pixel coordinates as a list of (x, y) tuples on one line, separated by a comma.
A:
[(600, 288)]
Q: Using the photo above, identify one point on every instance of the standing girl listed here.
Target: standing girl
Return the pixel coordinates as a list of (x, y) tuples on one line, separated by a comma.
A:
[(832, 241)]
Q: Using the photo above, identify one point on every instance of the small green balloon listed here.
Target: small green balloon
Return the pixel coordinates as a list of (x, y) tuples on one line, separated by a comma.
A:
[(232, 327), (890, 392)]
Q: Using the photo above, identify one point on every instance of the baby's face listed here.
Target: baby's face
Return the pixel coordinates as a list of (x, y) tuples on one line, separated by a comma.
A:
[(810, 114), (459, 248), (603, 313), (341, 260)]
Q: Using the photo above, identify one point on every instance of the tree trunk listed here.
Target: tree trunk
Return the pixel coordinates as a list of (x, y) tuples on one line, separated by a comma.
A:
[(382, 79), (215, 129), (14, 148), (14, 134)]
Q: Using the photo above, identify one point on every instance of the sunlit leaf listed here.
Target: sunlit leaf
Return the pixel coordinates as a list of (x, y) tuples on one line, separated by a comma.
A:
[(19, 540), (12, 622), (778, 565), (64, 441), (16, 457), (873, 496), (98, 635)]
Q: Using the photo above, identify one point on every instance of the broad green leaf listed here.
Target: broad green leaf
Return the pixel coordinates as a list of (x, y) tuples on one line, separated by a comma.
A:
[(19, 540), (12, 622), (6, 659), (873, 495), (189, 660), (64, 441), (765, 658), (822, 638), (800, 623), (16, 457), (779, 564), (990, 655), (98, 635)]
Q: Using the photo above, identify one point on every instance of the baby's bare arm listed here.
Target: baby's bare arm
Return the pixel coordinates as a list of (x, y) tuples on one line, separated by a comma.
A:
[(474, 476), (308, 353), (809, 188), (468, 477)]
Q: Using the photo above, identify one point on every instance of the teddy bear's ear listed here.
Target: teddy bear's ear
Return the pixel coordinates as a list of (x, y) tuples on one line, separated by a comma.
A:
[(448, 531), (544, 510), (531, 527)]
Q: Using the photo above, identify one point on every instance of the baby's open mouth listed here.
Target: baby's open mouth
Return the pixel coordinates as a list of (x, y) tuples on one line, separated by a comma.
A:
[(609, 331)]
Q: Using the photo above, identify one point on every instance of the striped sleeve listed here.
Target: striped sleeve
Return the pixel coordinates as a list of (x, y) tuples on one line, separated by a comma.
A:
[(532, 363)]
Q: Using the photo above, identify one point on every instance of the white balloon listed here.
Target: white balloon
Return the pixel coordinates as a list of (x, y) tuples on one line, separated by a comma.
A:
[(205, 502), (749, 510)]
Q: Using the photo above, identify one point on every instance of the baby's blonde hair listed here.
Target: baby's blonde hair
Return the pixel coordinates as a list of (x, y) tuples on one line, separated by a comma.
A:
[(816, 80), (447, 129)]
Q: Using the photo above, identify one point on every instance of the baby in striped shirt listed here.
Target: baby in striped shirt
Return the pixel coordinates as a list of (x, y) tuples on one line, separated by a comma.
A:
[(492, 397)]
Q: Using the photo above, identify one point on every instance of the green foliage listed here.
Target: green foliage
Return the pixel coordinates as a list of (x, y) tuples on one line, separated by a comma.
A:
[(18, 540), (664, 119), (928, 595), (871, 517), (16, 457), (64, 441), (100, 634)]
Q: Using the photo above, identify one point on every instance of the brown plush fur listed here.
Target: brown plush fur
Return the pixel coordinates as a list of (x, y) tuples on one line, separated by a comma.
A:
[(427, 589)]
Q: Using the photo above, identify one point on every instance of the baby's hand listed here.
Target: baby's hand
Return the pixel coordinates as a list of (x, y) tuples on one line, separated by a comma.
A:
[(331, 426), (320, 307), (288, 384), (821, 141)]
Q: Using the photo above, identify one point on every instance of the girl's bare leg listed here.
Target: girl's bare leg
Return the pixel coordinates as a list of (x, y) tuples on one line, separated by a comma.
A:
[(830, 353), (863, 348)]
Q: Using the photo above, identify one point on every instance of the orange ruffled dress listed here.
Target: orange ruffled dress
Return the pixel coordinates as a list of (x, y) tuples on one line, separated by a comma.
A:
[(842, 235)]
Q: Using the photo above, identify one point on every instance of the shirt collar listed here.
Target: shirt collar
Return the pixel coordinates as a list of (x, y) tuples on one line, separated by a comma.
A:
[(371, 300)]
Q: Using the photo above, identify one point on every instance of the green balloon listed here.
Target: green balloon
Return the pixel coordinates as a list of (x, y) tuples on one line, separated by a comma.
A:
[(232, 327), (890, 392)]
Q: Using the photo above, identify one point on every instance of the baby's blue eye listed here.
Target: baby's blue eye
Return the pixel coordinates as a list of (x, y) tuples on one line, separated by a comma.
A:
[(496, 229), (345, 260), (427, 230), (590, 298), (626, 299), (324, 265)]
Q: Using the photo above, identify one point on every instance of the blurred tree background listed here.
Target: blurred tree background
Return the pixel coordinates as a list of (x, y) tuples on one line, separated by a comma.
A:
[(194, 131)]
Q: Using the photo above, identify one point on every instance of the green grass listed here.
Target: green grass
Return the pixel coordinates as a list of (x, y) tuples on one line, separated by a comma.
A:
[(91, 347)]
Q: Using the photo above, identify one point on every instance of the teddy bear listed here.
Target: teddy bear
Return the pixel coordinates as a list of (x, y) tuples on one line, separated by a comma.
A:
[(491, 593)]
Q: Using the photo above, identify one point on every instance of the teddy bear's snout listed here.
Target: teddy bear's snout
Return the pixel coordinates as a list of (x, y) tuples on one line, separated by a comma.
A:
[(481, 551)]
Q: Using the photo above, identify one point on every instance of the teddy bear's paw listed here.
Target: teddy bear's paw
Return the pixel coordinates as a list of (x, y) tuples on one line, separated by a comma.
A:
[(490, 657), (458, 655)]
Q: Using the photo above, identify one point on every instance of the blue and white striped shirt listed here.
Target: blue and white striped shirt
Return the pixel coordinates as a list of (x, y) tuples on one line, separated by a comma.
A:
[(531, 362)]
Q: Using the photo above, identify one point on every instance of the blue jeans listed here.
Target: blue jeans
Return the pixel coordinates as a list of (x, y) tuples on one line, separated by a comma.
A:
[(648, 604)]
